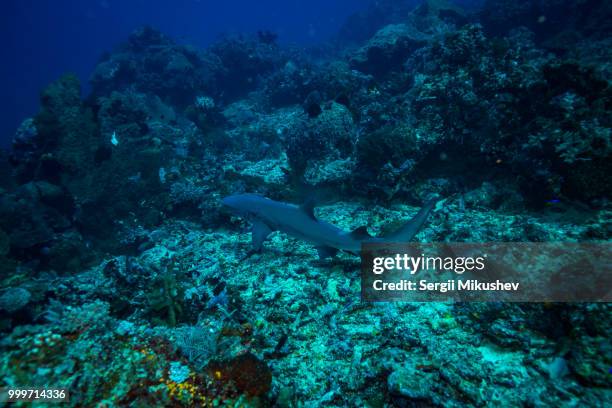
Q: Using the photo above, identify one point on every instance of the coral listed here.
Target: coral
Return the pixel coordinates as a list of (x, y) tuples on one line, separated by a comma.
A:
[(205, 114), (197, 344), (389, 155), (303, 82), (139, 369), (123, 279), (487, 105), (244, 59), (67, 131), (205, 103), (26, 134), (35, 218), (335, 172), (388, 145), (123, 114), (25, 152), (165, 301), (248, 373), (178, 372), (183, 192), (330, 135)]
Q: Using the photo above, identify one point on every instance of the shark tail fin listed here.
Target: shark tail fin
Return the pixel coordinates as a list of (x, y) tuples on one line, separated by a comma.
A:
[(410, 229), (360, 233)]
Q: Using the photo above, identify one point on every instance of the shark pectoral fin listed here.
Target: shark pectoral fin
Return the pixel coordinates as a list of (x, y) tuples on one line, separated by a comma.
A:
[(360, 233), (308, 207), (326, 252), (259, 233)]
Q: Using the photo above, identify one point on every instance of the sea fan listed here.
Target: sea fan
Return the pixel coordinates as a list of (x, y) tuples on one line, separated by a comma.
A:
[(196, 343)]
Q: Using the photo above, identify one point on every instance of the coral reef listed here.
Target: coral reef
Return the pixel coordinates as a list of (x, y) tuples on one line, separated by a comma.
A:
[(124, 280)]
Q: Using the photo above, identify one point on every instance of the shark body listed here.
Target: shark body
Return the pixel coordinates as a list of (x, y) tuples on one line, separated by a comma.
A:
[(300, 222)]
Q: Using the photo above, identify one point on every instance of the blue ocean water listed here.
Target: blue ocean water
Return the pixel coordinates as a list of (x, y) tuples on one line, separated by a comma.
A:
[(366, 203)]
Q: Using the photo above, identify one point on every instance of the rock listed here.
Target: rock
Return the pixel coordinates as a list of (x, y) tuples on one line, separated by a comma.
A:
[(14, 299), (411, 384), (388, 49), (557, 368), (549, 19), (5, 243)]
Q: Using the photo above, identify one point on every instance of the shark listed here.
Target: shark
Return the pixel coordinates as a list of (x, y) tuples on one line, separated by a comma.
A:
[(267, 216)]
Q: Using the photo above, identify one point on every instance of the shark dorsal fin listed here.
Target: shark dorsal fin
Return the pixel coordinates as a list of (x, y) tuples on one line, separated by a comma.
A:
[(308, 207), (360, 233)]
